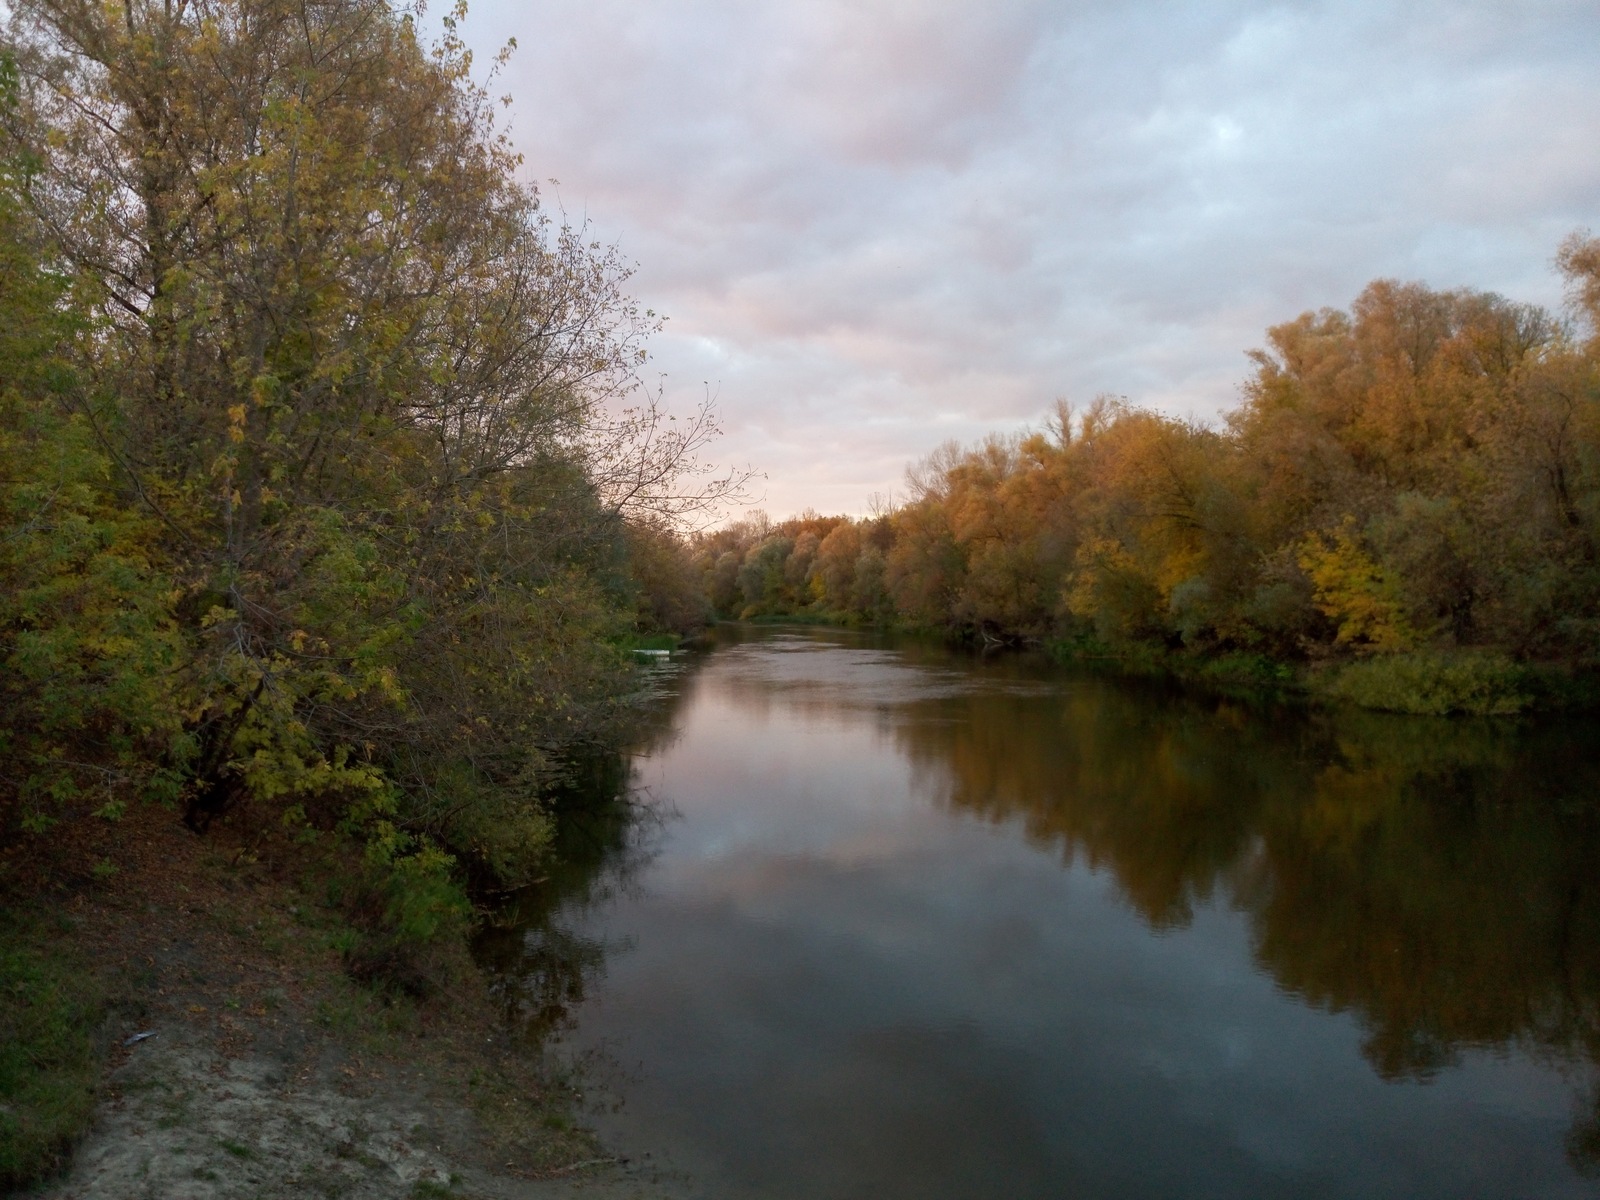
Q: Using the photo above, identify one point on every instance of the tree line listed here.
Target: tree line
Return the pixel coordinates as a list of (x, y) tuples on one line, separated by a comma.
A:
[(328, 485), (1405, 503)]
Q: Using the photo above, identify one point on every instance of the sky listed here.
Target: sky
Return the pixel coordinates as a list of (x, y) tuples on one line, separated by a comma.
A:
[(880, 225)]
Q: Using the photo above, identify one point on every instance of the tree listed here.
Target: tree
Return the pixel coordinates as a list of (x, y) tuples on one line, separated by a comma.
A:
[(382, 411), (87, 639)]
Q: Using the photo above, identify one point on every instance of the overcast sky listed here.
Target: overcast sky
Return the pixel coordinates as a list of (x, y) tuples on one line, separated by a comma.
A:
[(875, 226)]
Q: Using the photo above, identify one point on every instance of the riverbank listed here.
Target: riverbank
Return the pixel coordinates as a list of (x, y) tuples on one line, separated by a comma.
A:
[(1473, 682), (1435, 683), (192, 1029)]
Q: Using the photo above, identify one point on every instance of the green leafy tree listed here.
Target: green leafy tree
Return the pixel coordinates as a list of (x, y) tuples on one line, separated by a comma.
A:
[(364, 418), (87, 640)]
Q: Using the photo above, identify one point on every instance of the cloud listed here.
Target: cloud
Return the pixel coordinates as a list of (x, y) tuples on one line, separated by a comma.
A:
[(875, 226)]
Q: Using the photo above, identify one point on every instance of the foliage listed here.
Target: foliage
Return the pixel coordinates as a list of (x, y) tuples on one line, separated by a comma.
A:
[(86, 634), (1361, 598), (1434, 683), (670, 597), (404, 901), (327, 481), (48, 1060)]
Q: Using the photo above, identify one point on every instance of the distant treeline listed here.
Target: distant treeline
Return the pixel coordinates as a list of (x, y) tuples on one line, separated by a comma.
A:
[(1406, 502)]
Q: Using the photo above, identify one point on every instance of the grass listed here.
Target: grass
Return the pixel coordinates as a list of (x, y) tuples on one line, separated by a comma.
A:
[(540, 1129), (49, 1059), (174, 1109), (258, 940), (364, 1017)]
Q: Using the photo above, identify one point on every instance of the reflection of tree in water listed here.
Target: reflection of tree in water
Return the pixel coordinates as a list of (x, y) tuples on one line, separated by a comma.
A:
[(605, 835), (542, 964), (1441, 880)]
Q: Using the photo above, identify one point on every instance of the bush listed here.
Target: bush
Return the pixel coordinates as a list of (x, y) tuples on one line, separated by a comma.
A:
[(1432, 683), (1238, 669), (48, 1057), (407, 909)]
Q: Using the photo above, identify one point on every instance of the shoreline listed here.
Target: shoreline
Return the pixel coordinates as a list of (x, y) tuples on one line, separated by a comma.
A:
[(1472, 682)]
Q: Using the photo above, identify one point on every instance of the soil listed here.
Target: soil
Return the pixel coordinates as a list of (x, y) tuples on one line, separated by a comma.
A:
[(242, 1061), (185, 1119)]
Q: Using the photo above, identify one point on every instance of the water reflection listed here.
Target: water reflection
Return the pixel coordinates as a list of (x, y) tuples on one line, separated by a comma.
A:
[(837, 984), (542, 966), (1440, 880), (542, 963)]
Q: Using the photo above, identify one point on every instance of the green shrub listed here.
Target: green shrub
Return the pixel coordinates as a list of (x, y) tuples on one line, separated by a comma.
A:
[(648, 641), (1432, 683), (1242, 669), (1564, 687), (406, 906), (48, 1057)]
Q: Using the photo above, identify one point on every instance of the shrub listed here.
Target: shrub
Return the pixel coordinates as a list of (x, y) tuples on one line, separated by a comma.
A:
[(1433, 683), (406, 906), (48, 1058), (1240, 669)]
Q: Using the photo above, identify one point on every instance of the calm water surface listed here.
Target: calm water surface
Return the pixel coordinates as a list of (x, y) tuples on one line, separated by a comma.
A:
[(909, 923)]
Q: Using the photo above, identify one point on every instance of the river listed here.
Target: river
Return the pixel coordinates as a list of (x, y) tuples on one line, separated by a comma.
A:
[(899, 921)]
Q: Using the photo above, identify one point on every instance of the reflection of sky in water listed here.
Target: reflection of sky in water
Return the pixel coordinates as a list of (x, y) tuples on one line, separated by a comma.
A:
[(799, 672), (834, 986)]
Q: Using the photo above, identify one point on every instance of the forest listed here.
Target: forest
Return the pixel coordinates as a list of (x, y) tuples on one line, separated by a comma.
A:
[(1402, 512)]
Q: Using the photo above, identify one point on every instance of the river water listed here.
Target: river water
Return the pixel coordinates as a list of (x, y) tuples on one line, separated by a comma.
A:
[(903, 922)]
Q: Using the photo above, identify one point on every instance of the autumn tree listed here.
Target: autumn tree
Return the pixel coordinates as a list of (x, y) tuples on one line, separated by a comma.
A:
[(380, 412), (87, 639)]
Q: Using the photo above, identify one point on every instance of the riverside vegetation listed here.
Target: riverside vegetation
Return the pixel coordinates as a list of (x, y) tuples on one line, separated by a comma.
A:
[(1403, 512), (330, 498)]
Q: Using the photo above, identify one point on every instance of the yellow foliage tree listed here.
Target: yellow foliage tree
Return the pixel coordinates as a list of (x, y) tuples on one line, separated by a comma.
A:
[(1355, 592)]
